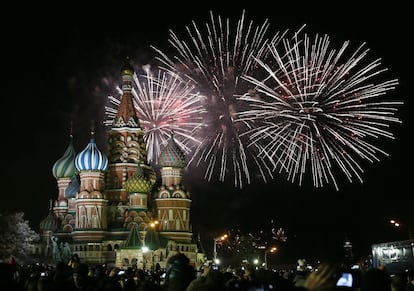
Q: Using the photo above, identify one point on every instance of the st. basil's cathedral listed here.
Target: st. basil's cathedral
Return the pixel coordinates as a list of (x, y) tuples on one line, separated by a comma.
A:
[(108, 208)]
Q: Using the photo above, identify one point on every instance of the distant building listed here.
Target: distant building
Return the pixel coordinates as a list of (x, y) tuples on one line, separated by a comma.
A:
[(397, 256), (109, 209), (348, 253)]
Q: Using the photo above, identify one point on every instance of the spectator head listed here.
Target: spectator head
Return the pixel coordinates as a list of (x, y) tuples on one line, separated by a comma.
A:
[(179, 272), (376, 280)]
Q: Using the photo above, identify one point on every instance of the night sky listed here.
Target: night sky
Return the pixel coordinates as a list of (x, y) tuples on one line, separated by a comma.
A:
[(60, 64)]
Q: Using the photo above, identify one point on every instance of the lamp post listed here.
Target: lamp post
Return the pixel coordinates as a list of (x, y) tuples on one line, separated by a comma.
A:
[(146, 251), (216, 241), (271, 250), (154, 223), (398, 224), (255, 262)]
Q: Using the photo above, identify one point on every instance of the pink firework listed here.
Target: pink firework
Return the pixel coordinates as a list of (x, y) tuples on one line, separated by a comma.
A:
[(165, 103)]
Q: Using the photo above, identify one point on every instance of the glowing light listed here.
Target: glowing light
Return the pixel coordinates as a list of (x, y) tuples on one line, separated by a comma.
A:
[(319, 111), (153, 224), (165, 103), (215, 58)]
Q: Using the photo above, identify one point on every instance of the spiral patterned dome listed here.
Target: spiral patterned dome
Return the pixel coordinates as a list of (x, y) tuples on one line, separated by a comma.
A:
[(172, 155), (65, 166), (138, 183), (91, 158)]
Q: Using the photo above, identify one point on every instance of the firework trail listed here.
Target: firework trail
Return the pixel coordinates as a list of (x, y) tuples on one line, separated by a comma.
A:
[(215, 58), (319, 110), (165, 103)]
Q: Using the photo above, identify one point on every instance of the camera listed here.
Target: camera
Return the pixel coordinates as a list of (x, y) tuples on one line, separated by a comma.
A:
[(345, 280), (350, 278)]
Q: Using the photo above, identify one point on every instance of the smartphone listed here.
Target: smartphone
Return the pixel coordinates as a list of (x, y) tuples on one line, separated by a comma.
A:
[(346, 280)]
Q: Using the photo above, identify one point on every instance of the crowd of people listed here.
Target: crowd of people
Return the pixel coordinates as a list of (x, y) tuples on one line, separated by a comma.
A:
[(180, 275)]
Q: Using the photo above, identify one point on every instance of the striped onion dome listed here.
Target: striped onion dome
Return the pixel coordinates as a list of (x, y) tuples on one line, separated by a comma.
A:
[(50, 222), (138, 183), (65, 166), (172, 155), (91, 158)]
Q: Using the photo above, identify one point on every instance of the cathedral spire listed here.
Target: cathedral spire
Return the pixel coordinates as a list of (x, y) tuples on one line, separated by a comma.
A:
[(127, 115), (71, 129), (92, 130)]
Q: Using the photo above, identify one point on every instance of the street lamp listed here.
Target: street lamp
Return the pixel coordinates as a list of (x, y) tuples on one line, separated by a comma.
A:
[(217, 240), (255, 262), (154, 223), (149, 238), (271, 250), (398, 224)]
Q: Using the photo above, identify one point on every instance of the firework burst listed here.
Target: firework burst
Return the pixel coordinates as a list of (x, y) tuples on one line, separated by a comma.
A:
[(215, 58), (165, 103), (319, 110)]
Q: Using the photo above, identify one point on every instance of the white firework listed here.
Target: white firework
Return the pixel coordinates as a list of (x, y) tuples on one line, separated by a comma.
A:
[(320, 110), (215, 57)]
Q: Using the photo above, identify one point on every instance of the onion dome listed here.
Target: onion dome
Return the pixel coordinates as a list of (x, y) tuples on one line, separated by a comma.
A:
[(127, 69), (50, 223), (65, 166), (91, 158), (138, 183), (73, 187), (172, 155)]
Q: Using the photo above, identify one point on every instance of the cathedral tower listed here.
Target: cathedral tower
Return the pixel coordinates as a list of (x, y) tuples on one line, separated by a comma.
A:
[(107, 210), (64, 170), (172, 201), (91, 205), (126, 150)]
